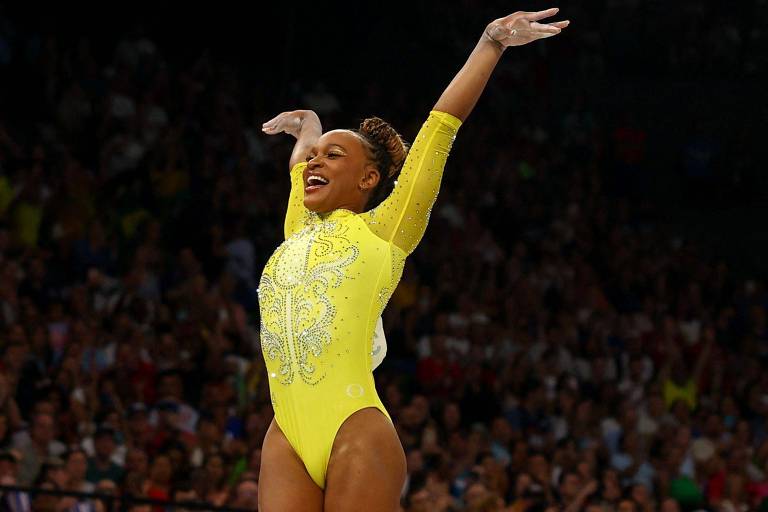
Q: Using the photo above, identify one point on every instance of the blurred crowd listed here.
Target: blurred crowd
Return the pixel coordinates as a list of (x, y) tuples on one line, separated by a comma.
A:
[(575, 353)]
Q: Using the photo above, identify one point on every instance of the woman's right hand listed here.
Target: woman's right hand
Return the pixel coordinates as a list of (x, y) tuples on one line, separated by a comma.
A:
[(522, 27), (291, 122)]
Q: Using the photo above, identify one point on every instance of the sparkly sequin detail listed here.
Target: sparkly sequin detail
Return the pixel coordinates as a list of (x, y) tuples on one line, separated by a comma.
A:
[(296, 311), (297, 326), (403, 216), (396, 272)]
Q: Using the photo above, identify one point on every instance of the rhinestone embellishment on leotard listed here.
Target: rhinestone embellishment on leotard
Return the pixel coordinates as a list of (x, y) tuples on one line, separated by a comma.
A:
[(296, 311)]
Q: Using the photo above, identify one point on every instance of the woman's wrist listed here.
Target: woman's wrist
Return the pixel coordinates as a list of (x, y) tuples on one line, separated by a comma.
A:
[(488, 38), (309, 120)]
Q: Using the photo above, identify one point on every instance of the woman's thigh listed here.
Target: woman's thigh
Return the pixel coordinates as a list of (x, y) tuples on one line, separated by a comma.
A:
[(284, 484), (366, 470)]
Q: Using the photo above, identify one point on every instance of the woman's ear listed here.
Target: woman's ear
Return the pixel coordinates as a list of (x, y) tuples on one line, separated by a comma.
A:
[(370, 178)]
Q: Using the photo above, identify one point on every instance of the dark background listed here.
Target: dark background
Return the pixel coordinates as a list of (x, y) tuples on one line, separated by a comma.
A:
[(687, 73), (599, 237)]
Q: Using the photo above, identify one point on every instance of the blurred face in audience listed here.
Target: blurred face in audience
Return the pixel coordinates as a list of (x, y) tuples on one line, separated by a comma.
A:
[(39, 339), (8, 468), (457, 445), (522, 483), (421, 408), (637, 368), (451, 416), (106, 487), (247, 495), (437, 485), (409, 417), (681, 412), (539, 468), (655, 405), (570, 486), (171, 387), (742, 432), (680, 372), (169, 418), (208, 431), (184, 495), (394, 397), (584, 412), (630, 444), (215, 467), (519, 454), (683, 436), (76, 466), (161, 470), (669, 505), (57, 474), (475, 493), (420, 501), (138, 425), (611, 486), (414, 461), (627, 506), (15, 355), (136, 460), (640, 493), (104, 445), (584, 469), (42, 429), (501, 430)]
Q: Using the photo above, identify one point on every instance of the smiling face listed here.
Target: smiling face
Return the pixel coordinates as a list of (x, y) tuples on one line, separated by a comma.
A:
[(339, 173)]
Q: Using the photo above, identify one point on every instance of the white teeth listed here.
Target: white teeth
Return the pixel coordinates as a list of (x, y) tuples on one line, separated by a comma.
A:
[(316, 180)]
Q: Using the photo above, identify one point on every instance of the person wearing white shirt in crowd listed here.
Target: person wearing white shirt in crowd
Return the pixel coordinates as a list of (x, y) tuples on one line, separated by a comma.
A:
[(35, 445)]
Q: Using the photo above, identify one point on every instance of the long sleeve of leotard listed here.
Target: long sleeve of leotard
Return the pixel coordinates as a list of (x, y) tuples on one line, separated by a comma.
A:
[(402, 217), (297, 213)]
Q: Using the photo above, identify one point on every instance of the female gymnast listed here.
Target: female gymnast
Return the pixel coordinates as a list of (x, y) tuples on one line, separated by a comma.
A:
[(359, 205)]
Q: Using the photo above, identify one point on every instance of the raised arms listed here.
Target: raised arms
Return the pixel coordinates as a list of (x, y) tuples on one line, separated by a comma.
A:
[(402, 217), (517, 29)]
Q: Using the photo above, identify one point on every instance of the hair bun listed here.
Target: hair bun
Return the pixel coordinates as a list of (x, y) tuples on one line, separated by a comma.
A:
[(380, 133)]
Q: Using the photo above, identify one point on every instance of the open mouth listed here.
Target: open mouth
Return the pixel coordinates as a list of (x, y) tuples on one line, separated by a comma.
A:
[(315, 182)]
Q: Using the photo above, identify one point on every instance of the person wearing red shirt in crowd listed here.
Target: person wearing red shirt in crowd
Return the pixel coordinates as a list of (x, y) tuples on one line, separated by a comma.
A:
[(437, 374), (158, 487)]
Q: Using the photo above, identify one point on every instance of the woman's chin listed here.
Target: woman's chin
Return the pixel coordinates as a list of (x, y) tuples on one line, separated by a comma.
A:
[(314, 205)]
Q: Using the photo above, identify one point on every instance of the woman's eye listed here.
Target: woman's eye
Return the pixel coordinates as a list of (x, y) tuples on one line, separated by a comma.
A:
[(310, 157)]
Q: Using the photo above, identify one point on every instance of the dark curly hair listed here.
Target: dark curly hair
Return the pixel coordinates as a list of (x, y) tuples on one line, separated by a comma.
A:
[(387, 149)]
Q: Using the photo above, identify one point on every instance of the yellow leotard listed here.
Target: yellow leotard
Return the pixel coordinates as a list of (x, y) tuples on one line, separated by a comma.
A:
[(324, 288)]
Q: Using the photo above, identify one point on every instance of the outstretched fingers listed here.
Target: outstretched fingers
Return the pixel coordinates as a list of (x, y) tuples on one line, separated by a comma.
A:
[(274, 125), (269, 126), (540, 15), (525, 25), (545, 28)]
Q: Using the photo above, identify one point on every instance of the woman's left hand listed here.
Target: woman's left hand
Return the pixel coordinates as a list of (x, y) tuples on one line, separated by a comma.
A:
[(291, 122), (522, 27)]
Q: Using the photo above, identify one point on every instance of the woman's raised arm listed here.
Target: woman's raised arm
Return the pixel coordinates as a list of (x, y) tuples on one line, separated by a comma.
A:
[(517, 29), (306, 127), (302, 124), (402, 217)]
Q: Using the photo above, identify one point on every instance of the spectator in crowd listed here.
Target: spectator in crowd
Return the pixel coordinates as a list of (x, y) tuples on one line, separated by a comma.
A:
[(577, 351), (101, 466)]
